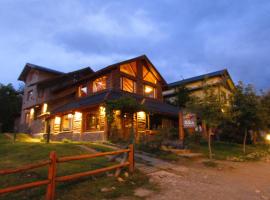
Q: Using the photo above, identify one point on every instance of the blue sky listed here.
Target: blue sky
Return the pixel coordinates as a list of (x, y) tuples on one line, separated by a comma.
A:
[(183, 38)]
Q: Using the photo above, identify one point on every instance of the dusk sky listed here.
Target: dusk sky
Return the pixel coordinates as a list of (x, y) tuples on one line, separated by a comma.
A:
[(183, 38)]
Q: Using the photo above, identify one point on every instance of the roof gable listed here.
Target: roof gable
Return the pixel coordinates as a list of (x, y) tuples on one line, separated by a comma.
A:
[(28, 66)]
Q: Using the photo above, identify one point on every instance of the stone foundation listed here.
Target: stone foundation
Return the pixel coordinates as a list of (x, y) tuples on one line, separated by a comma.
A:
[(87, 137)]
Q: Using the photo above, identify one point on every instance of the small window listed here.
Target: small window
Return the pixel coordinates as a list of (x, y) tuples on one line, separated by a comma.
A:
[(100, 84), (149, 91), (129, 68), (83, 90), (148, 76), (91, 122), (30, 95), (67, 122), (128, 85)]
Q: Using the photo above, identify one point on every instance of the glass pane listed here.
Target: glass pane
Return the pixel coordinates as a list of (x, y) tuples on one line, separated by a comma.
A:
[(129, 68), (66, 122), (148, 76), (82, 91), (128, 85), (100, 84), (149, 91)]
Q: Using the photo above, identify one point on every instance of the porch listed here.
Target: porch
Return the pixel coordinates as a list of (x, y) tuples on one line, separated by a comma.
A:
[(91, 124)]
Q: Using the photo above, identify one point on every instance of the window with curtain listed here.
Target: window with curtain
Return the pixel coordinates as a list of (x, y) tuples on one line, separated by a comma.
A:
[(100, 84)]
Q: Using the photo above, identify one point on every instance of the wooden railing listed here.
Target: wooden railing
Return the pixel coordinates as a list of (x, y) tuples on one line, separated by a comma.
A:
[(52, 177)]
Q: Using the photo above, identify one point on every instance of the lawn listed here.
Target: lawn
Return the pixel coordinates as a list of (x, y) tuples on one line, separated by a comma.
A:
[(223, 150), (27, 151)]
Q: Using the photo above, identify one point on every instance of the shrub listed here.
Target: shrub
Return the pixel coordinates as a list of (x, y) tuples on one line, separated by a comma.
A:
[(65, 140)]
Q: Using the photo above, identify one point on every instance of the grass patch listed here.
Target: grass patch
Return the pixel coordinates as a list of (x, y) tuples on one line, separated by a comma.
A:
[(231, 151), (20, 153)]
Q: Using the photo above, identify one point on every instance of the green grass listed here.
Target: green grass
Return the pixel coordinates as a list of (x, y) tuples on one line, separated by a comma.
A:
[(223, 150), (20, 153)]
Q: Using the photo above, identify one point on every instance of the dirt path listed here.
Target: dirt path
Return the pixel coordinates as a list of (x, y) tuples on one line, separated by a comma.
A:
[(228, 181)]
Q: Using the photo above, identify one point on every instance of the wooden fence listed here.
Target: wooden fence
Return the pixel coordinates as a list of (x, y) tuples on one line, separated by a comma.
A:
[(52, 177)]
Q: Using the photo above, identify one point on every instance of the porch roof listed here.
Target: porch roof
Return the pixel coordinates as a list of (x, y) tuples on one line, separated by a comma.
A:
[(152, 105)]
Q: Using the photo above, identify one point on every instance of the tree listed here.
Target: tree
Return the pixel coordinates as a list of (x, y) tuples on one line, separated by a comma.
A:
[(208, 107), (10, 106), (127, 105), (182, 97), (246, 110)]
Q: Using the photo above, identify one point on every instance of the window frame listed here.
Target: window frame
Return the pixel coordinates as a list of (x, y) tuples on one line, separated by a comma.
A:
[(133, 81), (154, 91), (95, 89)]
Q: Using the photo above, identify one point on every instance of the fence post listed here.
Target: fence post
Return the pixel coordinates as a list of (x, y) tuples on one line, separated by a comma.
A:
[(131, 158), (51, 176)]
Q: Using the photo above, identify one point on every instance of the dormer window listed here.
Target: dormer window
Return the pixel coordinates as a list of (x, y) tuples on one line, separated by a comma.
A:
[(82, 90), (100, 84)]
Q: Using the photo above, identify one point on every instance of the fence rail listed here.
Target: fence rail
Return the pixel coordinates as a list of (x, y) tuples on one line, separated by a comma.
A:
[(52, 177)]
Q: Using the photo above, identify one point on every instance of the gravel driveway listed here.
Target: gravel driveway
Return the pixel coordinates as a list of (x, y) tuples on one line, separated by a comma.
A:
[(249, 180)]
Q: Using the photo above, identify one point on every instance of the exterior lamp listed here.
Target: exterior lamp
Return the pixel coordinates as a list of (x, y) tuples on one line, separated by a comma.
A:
[(267, 137)]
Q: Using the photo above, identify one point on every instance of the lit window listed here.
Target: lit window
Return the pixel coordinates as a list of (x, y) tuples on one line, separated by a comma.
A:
[(129, 68), (67, 122), (149, 91), (27, 118), (44, 108), (100, 84), (57, 120), (128, 85), (82, 90), (29, 95), (148, 76)]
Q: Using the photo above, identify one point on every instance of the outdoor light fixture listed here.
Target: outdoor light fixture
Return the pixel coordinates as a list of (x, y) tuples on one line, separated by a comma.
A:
[(267, 137)]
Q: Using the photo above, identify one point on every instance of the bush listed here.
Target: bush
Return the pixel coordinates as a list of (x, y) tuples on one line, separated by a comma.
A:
[(65, 140)]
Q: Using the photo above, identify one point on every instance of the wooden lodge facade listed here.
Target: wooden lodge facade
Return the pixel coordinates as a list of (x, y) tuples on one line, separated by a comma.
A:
[(72, 105)]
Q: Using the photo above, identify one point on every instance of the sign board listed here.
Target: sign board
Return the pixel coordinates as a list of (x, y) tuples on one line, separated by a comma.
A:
[(189, 120)]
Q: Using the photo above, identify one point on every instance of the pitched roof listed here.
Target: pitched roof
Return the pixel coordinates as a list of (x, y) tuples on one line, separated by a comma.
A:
[(29, 66), (151, 105), (198, 78), (77, 74)]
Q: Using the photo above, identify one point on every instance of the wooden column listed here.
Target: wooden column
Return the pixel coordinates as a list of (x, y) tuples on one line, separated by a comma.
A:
[(131, 158), (181, 126)]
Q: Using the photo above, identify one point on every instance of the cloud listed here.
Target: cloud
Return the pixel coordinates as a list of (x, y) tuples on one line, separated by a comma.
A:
[(182, 38)]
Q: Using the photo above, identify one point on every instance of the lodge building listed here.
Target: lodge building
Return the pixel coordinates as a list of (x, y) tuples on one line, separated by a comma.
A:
[(72, 105)]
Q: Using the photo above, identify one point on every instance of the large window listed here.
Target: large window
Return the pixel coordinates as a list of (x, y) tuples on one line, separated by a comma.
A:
[(83, 90), (148, 76), (149, 91), (128, 85), (67, 122), (129, 68), (92, 122), (100, 84)]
